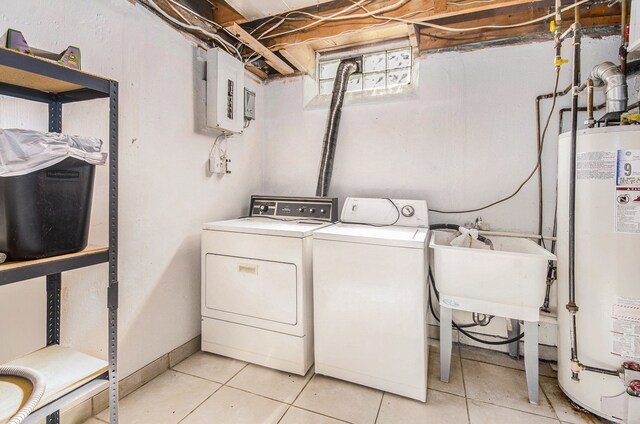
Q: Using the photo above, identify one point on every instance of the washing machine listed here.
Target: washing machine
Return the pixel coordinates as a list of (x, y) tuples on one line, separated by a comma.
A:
[(370, 296), (257, 282)]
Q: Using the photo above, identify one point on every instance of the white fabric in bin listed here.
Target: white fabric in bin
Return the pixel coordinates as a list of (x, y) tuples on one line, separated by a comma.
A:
[(26, 151)]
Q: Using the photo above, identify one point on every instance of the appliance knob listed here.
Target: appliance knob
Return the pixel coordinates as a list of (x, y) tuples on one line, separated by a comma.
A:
[(301, 210), (322, 211), (312, 210), (408, 211), (264, 208)]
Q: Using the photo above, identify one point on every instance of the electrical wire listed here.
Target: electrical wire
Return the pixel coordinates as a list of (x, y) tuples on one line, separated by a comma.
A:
[(318, 20), (460, 3), (216, 147), (350, 31), (177, 12), (379, 225), (367, 13), (453, 29), (211, 35), (375, 14), (209, 21), (331, 17), (197, 15), (533, 172)]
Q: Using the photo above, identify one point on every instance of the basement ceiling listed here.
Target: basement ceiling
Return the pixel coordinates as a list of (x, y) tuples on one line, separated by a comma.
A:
[(256, 9), (271, 41)]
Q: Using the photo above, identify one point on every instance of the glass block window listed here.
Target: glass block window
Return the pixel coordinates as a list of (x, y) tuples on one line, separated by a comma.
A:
[(383, 69)]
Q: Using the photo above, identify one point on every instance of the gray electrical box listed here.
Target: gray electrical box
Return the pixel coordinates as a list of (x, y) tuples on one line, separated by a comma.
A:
[(249, 105)]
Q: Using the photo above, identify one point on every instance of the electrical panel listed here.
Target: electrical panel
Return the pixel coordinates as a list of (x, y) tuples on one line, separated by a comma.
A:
[(225, 92), (249, 105)]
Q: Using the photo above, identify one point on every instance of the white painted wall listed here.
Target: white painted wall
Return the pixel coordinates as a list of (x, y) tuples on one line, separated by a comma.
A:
[(165, 192), (466, 137)]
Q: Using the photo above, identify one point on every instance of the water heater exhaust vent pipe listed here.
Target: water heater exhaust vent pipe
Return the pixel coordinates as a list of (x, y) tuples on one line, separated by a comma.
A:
[(345, 69), (615, 84)]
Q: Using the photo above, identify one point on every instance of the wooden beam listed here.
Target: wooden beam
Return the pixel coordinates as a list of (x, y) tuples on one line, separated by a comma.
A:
[(274, 61), (181, 15), (303, 57), (257, 71), (414, 34), (352, 39), (226, 15), (418, 10), (439, 6), (434, 39)]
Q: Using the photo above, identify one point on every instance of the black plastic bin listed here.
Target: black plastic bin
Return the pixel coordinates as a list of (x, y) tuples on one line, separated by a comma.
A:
[(46, 213)]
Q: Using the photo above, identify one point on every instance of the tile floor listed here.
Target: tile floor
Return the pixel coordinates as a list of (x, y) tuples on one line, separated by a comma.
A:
[(485, 387)]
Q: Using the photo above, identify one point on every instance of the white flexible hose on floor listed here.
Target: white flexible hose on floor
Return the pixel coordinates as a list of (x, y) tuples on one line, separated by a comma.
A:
[(37, 381)]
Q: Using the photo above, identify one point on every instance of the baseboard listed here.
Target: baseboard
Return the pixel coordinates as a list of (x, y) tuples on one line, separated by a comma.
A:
[(82, 411)]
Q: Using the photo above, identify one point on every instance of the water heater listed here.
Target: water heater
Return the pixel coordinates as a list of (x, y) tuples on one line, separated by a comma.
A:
[(225, 92), (607, 271)]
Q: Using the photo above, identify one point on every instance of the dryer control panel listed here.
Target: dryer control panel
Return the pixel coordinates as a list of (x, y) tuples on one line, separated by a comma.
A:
[(315, 208)]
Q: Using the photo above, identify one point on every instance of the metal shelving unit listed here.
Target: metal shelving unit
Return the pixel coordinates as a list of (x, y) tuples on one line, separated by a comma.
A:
[(31, 78)]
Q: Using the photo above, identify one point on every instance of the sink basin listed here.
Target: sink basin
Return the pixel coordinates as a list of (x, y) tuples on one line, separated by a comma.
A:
[(509, 281)]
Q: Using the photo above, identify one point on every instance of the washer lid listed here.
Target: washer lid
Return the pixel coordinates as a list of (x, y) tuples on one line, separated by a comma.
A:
[(414, 237), (267, 226)]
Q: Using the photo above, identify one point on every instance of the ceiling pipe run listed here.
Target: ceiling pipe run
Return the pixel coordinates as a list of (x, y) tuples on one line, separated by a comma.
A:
[(345, 69)]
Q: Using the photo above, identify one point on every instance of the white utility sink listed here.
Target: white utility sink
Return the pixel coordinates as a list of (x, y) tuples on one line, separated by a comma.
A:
[(509, 281)]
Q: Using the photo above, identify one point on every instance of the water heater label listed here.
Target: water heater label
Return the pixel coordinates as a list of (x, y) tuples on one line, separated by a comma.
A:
[(628, 168), (628, 210), (625, 330), (596, 165), (627, 201)]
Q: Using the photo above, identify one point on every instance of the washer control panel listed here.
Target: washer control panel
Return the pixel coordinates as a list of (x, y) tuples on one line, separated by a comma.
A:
[(316, 208), (383, 212)]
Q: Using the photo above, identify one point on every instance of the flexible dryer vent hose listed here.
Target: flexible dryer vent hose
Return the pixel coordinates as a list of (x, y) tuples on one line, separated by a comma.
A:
[(345, 69), (37, 381)]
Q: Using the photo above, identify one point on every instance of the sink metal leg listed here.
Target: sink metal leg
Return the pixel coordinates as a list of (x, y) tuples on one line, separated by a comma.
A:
[(531, 359), (514, 348), (446, 340)]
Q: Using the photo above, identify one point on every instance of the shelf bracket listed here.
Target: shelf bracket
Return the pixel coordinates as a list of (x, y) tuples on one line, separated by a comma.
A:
[(112, 296), (55, 115), (54, 286), (54, 418)]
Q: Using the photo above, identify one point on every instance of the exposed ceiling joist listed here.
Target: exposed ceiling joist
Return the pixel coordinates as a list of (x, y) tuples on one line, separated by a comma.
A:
[(297, 36), (303, 57), (434, 39), (226, 15), (415, 10), (274, 61)]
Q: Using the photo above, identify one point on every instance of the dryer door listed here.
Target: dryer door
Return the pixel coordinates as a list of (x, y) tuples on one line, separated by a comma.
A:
[(253, 288)]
